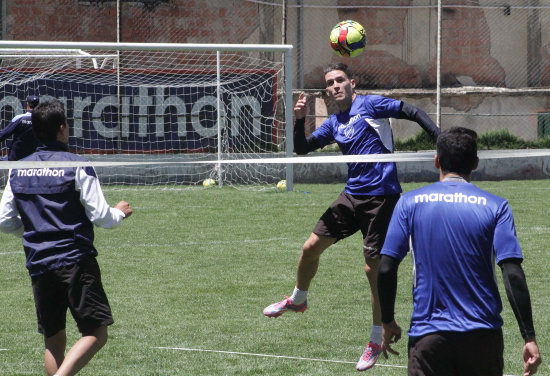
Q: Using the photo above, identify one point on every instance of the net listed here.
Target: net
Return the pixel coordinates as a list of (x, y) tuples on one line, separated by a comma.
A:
[(153, 103)]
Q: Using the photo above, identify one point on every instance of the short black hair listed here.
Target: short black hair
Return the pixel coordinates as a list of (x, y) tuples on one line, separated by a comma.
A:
[(457, 150), (47, 117), (338, 66), (32, 101)]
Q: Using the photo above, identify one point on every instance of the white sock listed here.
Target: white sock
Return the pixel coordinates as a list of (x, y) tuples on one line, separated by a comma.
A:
[(376, 334), (299, 296)]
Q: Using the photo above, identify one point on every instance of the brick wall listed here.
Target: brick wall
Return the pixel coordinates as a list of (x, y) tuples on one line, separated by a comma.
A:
[(467, 49)]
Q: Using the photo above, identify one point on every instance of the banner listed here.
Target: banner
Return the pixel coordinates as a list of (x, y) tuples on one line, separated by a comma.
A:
[(141, 112)]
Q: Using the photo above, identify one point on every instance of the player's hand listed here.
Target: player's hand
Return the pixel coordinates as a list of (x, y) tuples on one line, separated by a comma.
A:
[(300, 106), (391, 333), (531, 358), (124, 207)]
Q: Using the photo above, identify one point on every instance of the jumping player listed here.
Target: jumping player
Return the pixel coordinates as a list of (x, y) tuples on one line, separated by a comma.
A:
[(360, 127), (456, 232)]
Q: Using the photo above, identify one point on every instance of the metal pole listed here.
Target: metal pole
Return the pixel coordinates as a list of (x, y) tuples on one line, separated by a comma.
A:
[(288, 121), (118, 93), (219, 105), (438, 95), (4, 18), (287, 75), (299, 47)]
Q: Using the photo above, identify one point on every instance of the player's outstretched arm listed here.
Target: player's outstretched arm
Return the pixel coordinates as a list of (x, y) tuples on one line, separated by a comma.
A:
[(417, 115), (8, 131), (96, 206)]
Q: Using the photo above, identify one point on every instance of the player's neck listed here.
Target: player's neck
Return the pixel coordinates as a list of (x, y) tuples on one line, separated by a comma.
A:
[(346, 105), (452, 176)]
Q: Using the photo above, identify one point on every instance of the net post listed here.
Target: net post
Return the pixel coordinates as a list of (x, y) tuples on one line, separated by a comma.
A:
[(288, 120), (219, 110), (438, 68)]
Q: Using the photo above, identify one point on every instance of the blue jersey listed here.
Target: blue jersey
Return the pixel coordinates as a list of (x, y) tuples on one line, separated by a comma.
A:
[(23, 141), (365, 129), (456, 232)]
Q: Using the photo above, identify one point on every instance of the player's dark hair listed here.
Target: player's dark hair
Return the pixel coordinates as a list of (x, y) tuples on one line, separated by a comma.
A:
[(32, 101), (46, 119), (338, 66), (457, 150)]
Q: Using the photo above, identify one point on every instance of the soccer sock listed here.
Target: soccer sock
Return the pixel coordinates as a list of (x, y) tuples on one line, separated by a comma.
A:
[(376, 334), (298, 296)]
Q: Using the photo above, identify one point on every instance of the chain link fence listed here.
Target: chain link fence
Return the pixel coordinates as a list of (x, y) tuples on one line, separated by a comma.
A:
[(494, 54)]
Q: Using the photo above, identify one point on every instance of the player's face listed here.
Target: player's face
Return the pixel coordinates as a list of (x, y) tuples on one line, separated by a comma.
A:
[(340, 87)]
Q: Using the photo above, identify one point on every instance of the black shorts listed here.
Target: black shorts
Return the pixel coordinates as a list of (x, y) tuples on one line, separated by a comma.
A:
[(76, 287), (472, 353), (351, 213)]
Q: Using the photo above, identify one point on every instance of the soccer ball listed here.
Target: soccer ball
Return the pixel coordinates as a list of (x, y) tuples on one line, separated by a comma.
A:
[(348, 38), (281, 185), (208, 183)]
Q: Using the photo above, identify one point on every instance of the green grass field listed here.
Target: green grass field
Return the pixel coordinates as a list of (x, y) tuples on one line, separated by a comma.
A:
[(190, 272)]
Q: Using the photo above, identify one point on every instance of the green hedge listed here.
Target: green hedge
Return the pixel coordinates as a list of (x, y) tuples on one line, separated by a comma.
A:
[(501, 139)]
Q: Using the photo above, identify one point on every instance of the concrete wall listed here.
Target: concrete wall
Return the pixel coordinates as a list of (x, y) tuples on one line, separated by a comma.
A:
[(489, 169), (475, 108)]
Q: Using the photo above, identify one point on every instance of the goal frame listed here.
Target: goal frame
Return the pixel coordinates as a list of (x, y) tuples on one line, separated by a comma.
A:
[(285, 50)]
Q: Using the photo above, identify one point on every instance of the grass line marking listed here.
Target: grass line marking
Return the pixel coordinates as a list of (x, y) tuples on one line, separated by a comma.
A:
[(9, 253), (270, 356), (277, 356)]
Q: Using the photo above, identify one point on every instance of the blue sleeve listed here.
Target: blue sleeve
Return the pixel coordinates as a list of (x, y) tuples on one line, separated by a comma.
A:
[(324, 133), (8, 131), (505, 241), (397, 237), (383, 107)]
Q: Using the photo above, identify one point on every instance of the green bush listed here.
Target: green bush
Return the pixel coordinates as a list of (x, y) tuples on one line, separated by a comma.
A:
[(421, 141), (500, 139)]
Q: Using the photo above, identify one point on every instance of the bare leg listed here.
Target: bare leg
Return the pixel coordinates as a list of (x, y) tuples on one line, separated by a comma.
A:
[(309, 259), (55, 352), (371, 269), (83, 351)]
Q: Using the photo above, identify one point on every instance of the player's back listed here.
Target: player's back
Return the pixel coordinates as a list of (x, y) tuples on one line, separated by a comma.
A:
[(458, 230), (57, 231), (24, 142)]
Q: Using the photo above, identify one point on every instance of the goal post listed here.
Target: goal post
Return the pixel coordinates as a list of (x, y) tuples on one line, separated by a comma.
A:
[(165, 102)]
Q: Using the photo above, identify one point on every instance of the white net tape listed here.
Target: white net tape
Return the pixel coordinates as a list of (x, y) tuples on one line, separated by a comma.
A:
[(395, 157)]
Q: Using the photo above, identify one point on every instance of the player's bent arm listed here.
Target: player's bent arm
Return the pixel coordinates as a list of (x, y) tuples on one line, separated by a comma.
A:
[(387, 286), (518, 296), (303, 145), (10, 222), (97, 209), (417, 115), (8, 131)]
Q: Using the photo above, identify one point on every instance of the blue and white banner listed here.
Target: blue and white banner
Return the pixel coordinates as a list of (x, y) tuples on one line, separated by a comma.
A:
[(142, 116)]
